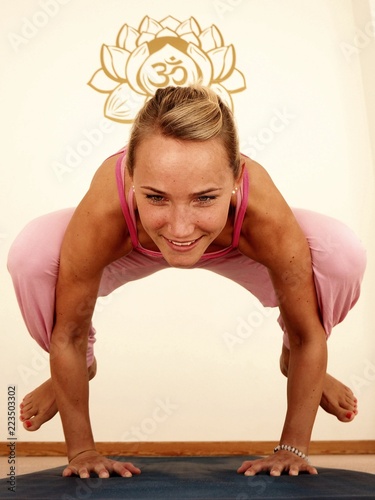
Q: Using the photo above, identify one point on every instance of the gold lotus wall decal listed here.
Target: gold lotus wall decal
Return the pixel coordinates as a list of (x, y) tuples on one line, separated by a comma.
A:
[(162, 53)]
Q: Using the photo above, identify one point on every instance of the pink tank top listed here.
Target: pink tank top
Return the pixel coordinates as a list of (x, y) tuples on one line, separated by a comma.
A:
[(127, 207)]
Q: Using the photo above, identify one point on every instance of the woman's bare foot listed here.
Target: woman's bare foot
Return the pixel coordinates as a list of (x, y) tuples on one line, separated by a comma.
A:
[(39, 406), (337, 399)]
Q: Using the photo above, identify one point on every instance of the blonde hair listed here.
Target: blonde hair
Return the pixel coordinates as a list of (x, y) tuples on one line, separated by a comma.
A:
[(193, 113)]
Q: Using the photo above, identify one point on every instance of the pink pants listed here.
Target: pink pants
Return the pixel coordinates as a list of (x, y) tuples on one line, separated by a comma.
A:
[(338, 261)]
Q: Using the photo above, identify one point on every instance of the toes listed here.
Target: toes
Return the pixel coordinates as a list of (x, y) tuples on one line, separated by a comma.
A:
[(348, 410), (27, 424), (350, 404), (350, 397), (346, 416), (27, 412), (339, 400), (26, 407), (32, 424), (26, 399)]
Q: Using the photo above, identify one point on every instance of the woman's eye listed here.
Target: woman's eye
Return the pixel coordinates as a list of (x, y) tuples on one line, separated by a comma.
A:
[(206, 199), (158, 199), (155, 198)]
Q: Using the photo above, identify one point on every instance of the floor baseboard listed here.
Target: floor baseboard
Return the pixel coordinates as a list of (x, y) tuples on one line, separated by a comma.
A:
[(190, 448)]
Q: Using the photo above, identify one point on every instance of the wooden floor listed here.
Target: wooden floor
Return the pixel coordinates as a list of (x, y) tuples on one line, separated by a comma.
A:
[(363, 463)]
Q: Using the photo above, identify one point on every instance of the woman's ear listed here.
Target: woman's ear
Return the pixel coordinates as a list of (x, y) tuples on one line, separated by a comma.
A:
[(238, 181)]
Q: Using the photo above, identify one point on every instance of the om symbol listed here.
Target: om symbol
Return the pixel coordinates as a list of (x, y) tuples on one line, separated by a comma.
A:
[(169, 71), (168, 65)]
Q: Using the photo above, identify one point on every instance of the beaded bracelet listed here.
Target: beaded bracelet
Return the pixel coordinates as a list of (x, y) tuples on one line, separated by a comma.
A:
[(294, 450)]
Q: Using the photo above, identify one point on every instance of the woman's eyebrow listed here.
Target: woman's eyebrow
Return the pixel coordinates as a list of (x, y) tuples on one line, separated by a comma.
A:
[(206, 191), (149, 188), (199, 193)]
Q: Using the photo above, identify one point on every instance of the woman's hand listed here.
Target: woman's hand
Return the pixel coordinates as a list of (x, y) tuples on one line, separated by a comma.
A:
[(282, 461), (92, 461)]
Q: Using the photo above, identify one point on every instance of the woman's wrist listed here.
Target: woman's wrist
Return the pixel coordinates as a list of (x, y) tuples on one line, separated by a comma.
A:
[(70, 459), (292, 449)]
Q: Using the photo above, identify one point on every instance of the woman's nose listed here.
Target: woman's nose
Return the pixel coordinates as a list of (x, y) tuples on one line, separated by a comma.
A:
[(181, 222)]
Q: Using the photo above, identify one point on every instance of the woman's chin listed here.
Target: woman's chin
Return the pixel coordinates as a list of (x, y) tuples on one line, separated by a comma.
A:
[(183, 256), (181, 260)]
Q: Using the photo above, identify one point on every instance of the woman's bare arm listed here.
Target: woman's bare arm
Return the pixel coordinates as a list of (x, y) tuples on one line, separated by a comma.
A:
[(96, 236), (273, 237)]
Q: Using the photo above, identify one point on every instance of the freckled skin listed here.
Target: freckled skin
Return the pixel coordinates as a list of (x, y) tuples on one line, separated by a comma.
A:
[(184, 205), (179, 214)]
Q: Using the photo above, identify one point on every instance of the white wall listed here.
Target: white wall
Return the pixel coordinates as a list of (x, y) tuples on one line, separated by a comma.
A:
[(164, 365)]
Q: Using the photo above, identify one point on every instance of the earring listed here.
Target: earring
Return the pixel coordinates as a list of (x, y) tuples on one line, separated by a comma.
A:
[(234, 191), (133, 188)]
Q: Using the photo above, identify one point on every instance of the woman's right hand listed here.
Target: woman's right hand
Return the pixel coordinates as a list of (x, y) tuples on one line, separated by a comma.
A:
[(93, 462)]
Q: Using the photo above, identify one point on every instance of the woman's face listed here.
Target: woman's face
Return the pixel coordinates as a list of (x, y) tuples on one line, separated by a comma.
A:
[(183, 191)]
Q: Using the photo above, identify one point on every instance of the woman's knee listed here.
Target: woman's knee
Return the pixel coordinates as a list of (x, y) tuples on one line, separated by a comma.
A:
[(343, 258), (36, 249), (335, 249)]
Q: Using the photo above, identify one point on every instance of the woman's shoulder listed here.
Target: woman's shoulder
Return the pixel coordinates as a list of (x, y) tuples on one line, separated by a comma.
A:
[(256, 172), (262, 191), (104, 184), (267, 213), (108, 167), (99, 213)]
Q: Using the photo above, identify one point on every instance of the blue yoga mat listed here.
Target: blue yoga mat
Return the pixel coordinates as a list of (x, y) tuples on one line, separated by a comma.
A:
[(197, 478)]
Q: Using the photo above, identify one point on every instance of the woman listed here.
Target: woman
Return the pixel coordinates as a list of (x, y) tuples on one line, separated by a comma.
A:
[(182, 195)]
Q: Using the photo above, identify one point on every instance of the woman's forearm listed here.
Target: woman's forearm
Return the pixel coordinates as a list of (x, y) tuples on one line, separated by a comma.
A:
[(306, 373), (70, 381)]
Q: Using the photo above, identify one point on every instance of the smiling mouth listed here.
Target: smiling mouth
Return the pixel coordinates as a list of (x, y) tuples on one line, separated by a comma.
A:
[(182, 243)]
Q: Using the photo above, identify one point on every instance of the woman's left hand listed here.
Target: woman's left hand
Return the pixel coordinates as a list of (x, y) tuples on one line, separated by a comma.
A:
[(282, 461)]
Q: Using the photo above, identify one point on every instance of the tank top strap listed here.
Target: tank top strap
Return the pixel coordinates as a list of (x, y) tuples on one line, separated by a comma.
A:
[(120, 180), (242, 200), (127, 208)]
